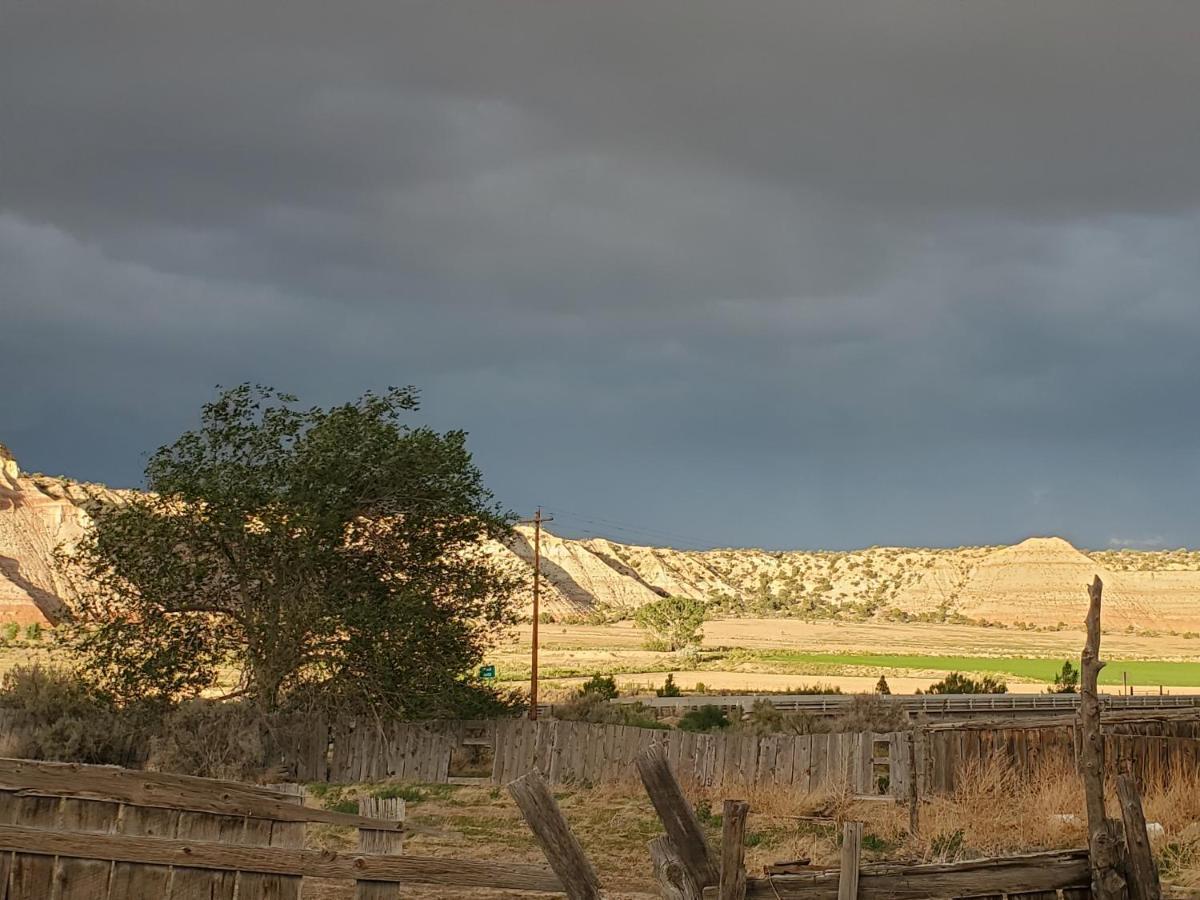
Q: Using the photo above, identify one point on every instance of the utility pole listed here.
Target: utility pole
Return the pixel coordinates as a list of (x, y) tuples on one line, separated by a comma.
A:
[(536, 521)]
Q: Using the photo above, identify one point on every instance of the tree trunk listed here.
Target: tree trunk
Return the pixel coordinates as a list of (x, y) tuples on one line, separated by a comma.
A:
[(1107, 881)]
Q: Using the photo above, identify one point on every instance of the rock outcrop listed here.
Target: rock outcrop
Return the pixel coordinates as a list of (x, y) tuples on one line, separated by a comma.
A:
[(1038, 582), (39, 515)]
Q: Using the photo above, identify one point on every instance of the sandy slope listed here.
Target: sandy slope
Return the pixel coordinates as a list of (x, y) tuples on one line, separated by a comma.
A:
[(1039, 581)]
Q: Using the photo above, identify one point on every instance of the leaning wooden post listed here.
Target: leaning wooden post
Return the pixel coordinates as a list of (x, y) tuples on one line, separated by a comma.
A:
[(549, 826), (1142, 874), (675, 882), (1105, 859), (678, 817), (852, 833), (733, 850), (372, 841)]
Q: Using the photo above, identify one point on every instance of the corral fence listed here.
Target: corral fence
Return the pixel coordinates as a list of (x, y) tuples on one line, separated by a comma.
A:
[(562, 752), (74, 832), (932, 706)]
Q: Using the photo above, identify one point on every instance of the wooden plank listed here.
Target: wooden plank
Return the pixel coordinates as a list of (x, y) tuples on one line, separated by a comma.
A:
[(802, 763), (820, 754), (852, 833), (205, 883), (136, 879), (386, 842), (677, 816), (85, 879), (182, 792), (1140, 871), (1013, 875), (733, 850), (675, 881), (32, 876), (265, 833), (554, 835), (281, 860)]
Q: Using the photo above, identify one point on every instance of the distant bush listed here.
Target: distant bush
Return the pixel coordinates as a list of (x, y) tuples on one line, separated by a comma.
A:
[(1066, 681), (594, 708), (603, 686), (10, 631), (33, 631), (957, 683), (56, 716), (870, 712), (213, 739), (669, 688), (706, 718)]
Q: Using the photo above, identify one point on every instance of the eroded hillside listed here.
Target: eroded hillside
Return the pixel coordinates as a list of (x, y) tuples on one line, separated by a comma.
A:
[(1038, 582)]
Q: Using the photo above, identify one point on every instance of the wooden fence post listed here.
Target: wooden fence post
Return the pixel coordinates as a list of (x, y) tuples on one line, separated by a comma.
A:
[(914, 798), (675, 882), (560, 845), (387, 842), (1107, 882), (678, 817), (1141, 873), (852, 833), (733, 850)]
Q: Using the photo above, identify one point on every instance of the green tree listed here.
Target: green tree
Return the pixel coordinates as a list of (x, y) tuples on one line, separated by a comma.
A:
[(672, 623), (335, 551), (669, 688), (1066, 681), (603, 686), (881, 686), (957, 683)]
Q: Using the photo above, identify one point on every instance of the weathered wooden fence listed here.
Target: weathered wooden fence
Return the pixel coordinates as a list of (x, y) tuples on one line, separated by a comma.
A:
[(73, 832), (583, 753)]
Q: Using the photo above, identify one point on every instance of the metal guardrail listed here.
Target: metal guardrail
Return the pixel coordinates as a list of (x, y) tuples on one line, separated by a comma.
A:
[(828, 704)]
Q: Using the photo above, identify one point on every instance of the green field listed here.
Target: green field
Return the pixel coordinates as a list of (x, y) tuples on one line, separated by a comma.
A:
[(1142, 673)]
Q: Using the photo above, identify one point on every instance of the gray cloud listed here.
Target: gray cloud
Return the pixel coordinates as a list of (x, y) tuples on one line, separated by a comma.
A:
[(822, 274)]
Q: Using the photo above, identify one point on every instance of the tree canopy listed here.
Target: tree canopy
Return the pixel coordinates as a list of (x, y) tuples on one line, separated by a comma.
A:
[(333, 551), (672, 623)]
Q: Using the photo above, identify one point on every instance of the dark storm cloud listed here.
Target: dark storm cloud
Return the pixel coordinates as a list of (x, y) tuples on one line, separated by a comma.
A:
[(796, 274)]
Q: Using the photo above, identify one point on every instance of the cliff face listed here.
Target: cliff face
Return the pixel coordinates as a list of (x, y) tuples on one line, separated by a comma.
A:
[(1039, 581), (37, 516)]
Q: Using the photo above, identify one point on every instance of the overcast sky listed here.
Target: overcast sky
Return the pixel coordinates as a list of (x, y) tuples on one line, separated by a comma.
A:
[(793, 274)]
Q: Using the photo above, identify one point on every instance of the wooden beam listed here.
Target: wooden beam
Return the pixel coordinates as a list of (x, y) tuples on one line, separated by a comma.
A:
[(852, 833), (158, 789), (1140, 871), (677, 815), (733, 849), (279, 860), (1013, 875), (1107, 880), (557, 841), (675, 882)]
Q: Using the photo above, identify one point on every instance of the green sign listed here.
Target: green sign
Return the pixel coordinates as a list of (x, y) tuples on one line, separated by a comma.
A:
[(487, 671)]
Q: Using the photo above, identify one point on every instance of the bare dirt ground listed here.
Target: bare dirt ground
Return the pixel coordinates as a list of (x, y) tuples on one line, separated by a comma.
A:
[(993, 813)]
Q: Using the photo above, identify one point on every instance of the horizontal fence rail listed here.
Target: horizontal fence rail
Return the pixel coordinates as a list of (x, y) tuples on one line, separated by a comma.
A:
[(929, 704)]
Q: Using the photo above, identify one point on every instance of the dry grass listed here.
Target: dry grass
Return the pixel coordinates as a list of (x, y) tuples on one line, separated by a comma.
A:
[(993, 812)]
